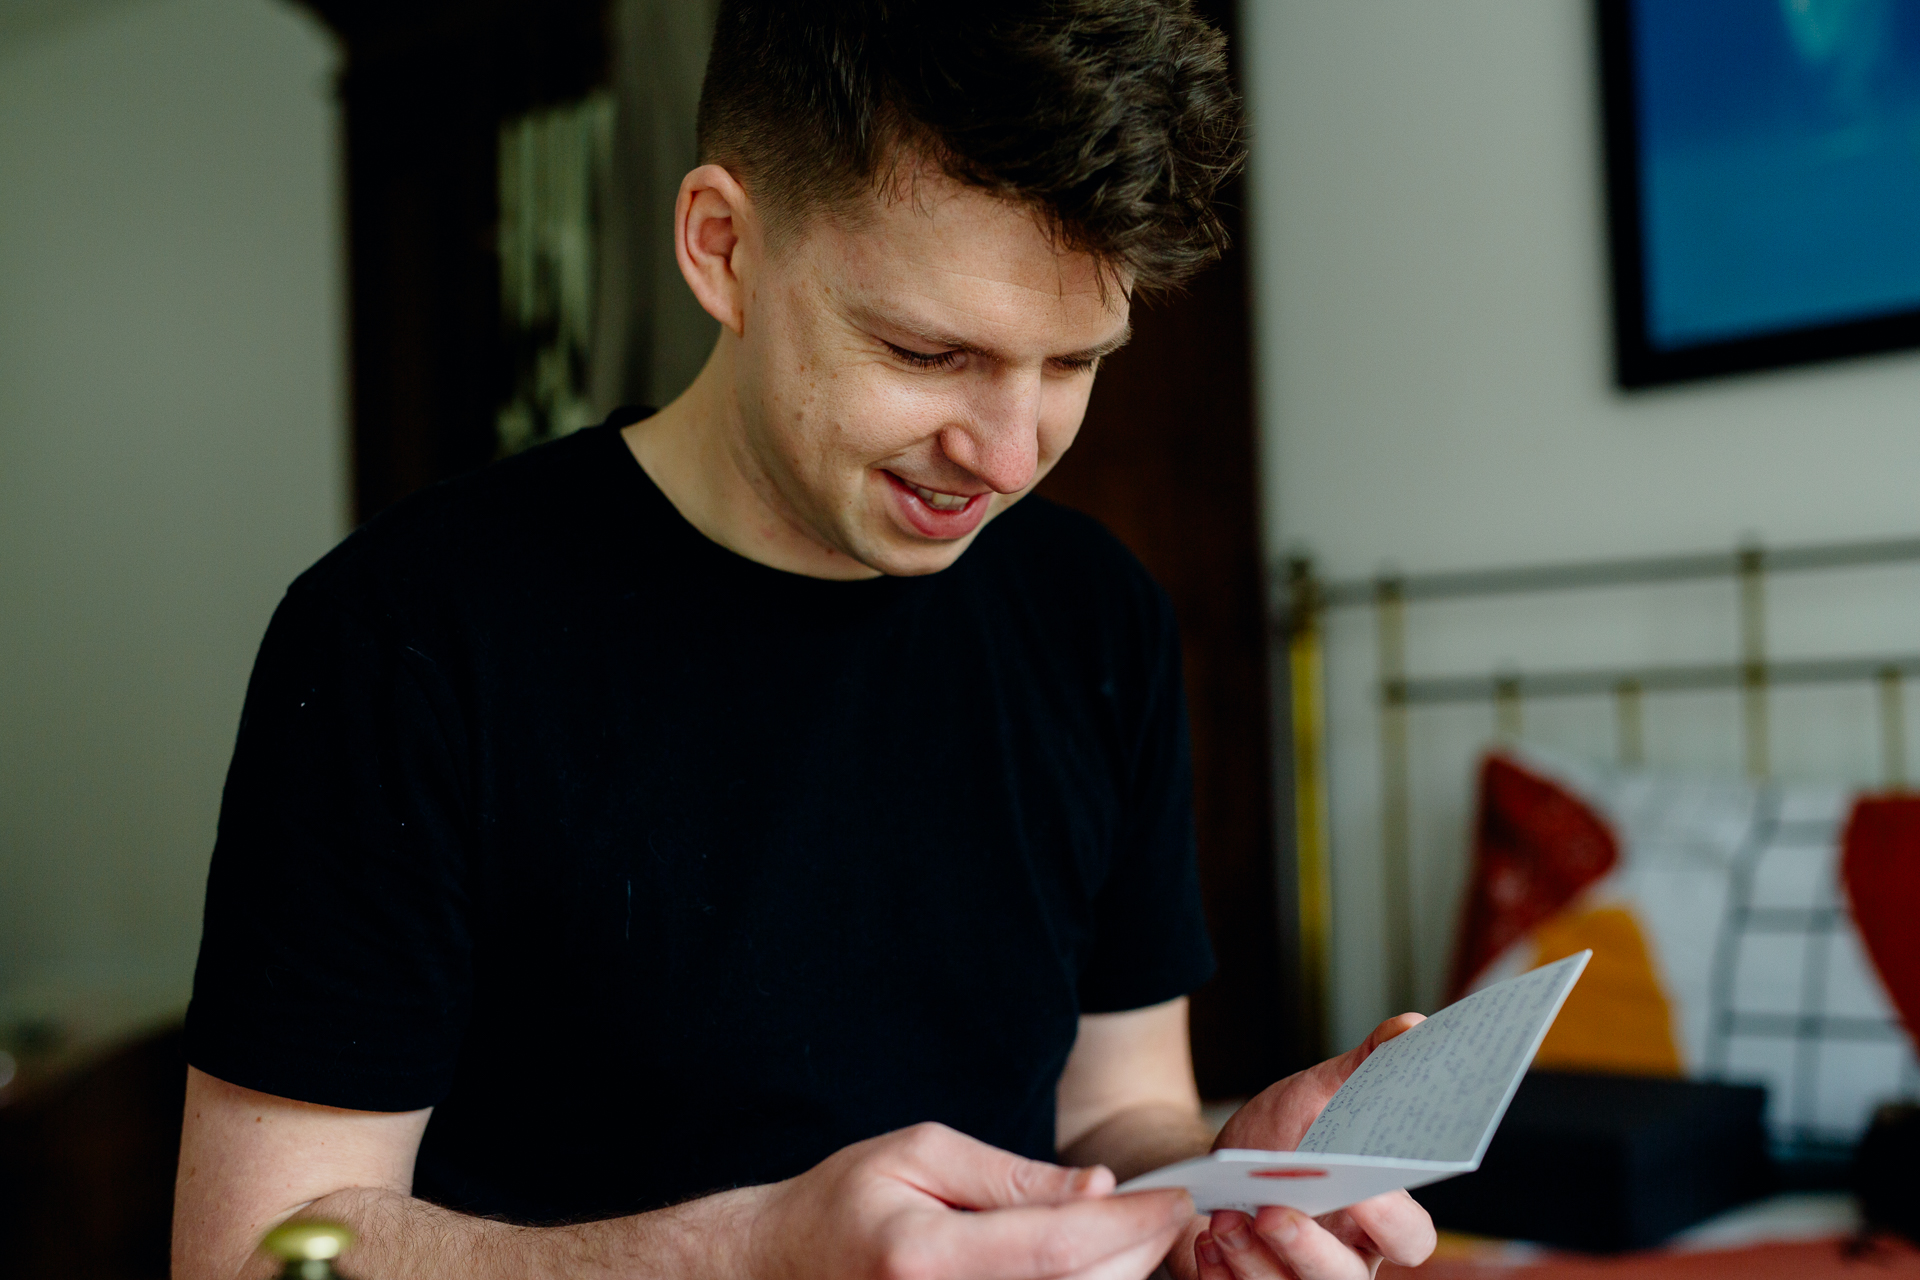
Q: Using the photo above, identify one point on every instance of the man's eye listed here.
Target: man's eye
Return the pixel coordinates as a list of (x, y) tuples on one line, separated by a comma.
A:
[(923, 359)]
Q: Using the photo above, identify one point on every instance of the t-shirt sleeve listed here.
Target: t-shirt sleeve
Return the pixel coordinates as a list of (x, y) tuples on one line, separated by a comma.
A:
[(336, 952), (1150, 932)]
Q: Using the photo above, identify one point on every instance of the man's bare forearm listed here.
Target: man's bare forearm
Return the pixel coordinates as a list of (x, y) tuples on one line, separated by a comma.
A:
[(1141, 1139), (400, 1236)]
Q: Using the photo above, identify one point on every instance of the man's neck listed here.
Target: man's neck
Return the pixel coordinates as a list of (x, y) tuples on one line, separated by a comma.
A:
[(698, 453)]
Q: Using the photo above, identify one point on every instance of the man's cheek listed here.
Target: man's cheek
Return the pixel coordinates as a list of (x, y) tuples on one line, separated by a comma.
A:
[(889, 416)]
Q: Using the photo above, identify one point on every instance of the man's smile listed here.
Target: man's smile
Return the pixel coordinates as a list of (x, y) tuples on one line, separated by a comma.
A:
[(933, 513), (938, 499)]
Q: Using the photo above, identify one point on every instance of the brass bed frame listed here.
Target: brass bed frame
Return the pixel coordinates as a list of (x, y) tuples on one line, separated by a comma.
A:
[(1303, 601)]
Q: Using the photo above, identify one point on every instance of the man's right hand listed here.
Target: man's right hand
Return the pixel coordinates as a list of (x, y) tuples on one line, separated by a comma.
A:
[(924, 1203), (928, 1203)]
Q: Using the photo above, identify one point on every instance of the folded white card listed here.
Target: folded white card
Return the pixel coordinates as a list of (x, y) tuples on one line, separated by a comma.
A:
[(1422, 1107)]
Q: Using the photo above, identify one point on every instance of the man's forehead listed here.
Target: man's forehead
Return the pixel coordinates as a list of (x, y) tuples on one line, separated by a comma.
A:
[(957, 262), (937, 222)]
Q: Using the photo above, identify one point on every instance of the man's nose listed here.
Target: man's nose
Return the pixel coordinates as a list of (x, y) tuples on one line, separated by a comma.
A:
[(999, 440)]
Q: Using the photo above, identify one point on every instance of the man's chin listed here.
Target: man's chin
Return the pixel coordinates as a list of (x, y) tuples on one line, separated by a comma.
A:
[(916, 560), (899, 554)]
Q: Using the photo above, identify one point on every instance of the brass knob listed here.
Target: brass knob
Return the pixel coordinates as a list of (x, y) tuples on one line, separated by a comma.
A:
[(307, 1241)]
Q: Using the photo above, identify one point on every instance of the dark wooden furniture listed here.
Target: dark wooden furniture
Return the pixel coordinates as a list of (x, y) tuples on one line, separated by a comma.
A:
[(425, 88), (87, 1157)]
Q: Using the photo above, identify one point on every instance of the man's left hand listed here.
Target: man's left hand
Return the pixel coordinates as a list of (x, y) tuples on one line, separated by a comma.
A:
[(1285, 1244)]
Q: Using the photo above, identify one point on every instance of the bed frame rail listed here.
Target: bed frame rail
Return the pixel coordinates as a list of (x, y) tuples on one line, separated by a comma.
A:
[(1302, 600)]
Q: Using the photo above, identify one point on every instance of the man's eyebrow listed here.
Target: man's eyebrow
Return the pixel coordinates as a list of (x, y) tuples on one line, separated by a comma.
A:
[(1105, 349), (934, 338)]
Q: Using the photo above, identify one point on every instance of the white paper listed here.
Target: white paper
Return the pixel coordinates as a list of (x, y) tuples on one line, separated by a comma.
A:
[(1246, 1180), (1422, 1107), (1437, 1092)]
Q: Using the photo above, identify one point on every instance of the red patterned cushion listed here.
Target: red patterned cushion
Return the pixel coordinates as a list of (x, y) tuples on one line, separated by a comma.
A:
[(1536, 846), (1880, 864)]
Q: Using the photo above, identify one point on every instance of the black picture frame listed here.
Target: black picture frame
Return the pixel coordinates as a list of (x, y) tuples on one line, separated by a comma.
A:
[(1638, 361)]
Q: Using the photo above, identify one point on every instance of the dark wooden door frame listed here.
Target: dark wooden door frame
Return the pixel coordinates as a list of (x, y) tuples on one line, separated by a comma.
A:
[(1168, 459), (425, 88)]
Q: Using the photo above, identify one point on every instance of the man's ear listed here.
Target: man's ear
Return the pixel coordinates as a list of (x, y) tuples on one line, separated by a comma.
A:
[(711, 221)]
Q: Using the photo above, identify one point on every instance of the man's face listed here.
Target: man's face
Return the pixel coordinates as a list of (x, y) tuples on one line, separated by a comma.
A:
[(904, 379)]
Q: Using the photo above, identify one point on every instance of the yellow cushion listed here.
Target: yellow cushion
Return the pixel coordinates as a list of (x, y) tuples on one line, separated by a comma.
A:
[(1617, 1018)]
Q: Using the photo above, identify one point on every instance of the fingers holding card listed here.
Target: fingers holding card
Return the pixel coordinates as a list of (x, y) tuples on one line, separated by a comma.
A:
[(1423, 1106)]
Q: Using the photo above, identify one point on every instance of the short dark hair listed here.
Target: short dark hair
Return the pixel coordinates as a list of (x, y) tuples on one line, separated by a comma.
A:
[(1115, 120)]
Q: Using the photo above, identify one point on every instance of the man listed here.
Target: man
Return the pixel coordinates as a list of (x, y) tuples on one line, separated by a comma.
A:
[(739, 841)]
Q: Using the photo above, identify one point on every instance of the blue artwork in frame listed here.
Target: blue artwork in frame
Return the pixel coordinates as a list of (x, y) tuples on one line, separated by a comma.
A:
[(1763, 181)]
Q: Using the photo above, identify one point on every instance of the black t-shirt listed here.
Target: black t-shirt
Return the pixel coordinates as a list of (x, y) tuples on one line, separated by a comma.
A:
[(654, 870)]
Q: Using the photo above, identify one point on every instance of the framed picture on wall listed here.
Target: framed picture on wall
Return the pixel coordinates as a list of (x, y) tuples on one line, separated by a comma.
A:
[(1763, 172)]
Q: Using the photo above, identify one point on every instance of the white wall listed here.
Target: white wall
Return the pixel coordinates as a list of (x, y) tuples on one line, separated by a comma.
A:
[(1433, 334), (171, 455)]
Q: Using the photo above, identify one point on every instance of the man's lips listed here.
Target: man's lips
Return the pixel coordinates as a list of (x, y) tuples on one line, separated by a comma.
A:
[(937, 499), (934, 514)]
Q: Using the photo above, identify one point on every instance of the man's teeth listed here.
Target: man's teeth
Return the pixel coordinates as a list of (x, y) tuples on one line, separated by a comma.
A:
[(941, 501)]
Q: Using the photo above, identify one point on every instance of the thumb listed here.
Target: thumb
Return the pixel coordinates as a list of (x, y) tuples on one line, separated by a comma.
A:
[(968, 1174), (1282, 1113), (1349, 1062)]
